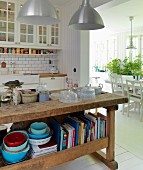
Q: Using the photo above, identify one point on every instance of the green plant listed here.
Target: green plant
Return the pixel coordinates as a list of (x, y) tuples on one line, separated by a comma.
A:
[(126, 67), (137, 66), (114, 66)]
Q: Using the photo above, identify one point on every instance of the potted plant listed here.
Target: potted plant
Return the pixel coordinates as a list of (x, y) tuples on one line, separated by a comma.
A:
[(118, 66), (137, 67)]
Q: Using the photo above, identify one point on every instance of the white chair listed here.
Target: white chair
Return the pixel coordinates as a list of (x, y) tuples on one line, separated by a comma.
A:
[(117, 86), (135, 94)]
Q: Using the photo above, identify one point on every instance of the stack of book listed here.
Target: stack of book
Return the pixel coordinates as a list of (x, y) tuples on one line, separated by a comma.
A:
[(79, 129), (39, 150)]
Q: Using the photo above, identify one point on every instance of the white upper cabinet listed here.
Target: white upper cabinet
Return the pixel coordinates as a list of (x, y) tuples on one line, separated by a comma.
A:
[(49, 36), (26, 32), (7, 22), (15, 33)]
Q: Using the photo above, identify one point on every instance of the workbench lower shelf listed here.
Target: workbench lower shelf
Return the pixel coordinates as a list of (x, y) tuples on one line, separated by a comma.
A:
[(47, 161)]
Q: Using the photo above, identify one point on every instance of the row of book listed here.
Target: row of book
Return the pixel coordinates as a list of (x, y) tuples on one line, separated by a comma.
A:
[(78, 129)]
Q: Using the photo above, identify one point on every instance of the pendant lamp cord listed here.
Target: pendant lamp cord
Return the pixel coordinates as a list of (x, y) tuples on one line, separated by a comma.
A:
[(131, 41)]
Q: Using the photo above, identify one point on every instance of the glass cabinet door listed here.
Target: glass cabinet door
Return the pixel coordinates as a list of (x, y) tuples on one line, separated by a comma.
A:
[(55, 34), (26, 33), (7, 21), (43, 35)]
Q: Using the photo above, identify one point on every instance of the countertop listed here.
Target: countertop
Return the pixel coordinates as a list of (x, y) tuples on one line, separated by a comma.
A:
[(29, 111), (42, 75)]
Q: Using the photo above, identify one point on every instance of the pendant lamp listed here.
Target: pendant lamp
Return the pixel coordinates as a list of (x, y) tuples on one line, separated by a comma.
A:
[(86, 18), (38, 12), (131, 46)]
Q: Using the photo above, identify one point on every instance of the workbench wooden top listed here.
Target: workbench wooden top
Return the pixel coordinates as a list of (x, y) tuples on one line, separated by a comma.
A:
[(23, 112)]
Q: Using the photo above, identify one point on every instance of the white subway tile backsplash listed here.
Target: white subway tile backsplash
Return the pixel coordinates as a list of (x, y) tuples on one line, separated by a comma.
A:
[(22, 59), (41, 59), (26, 63), (29, 59), (35, 59)]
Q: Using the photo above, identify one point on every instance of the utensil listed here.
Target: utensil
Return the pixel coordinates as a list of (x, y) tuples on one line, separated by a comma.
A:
[(15, 139), (33, 136), (13, 157), (38, 128)]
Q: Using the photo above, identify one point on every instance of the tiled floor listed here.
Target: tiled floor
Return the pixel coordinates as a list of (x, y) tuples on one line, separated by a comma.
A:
[(128, 149)]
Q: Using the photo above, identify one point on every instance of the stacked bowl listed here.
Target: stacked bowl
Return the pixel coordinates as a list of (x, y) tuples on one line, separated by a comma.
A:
[(15, 147), (39, 133)]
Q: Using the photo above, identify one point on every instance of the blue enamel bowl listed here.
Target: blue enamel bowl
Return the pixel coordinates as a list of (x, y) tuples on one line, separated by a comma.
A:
[(38, 128), (14, 157), (33, 136)]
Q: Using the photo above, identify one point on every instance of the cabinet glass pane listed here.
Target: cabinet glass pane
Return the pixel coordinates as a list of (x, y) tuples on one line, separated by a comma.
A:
[(10, 27), (40, 39), (11, 37), (11, 16), (56, 40), (2, 36), (30, 38), (3, 15), (52, 34), (3, 26), (40, 30), (22, 38), (44, 31), (44, 40), (3, 5), (57, 32), (30, 29), (22, 28), (52, 40), (11, 6)]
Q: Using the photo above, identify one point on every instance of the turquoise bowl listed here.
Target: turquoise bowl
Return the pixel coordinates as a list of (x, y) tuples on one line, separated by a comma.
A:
[(38, 128), (13, 157), (33, 136), (16, 149)]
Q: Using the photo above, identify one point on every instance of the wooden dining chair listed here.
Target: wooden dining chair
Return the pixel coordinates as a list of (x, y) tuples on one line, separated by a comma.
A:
[(118, 87), (135, 94)]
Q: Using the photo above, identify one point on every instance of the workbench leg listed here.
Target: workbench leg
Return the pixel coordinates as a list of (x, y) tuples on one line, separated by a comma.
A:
[(108, 158)]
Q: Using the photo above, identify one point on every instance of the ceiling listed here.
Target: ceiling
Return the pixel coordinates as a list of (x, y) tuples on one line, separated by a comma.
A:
[(115, 13), (116, 16)]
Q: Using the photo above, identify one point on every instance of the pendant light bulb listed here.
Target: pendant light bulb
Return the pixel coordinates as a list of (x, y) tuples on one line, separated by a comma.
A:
[(86, 18), (38, 12)]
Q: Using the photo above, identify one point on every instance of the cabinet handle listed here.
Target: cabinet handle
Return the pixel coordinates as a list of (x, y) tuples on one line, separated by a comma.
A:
[(52, 78)]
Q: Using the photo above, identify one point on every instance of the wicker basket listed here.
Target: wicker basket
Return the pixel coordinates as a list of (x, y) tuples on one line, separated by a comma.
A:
[(29, 98)]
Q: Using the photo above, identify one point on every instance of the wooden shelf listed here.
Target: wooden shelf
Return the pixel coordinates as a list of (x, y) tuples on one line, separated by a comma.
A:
[(29, 54), (47, 161)]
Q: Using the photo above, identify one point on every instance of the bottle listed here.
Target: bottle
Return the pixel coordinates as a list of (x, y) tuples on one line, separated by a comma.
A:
[(75, 84)]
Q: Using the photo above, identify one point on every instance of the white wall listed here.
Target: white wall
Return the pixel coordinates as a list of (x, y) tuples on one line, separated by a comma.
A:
[(74, 53)]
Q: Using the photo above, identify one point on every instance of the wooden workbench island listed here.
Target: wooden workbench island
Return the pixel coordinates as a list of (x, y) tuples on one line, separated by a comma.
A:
[(34, 111)]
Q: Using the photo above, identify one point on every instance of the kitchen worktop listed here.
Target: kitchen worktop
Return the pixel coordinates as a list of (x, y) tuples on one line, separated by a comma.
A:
[(51, 75), (54, 107)]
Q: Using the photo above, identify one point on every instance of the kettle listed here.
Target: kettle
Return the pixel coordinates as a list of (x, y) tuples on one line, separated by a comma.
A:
[(53, 69)]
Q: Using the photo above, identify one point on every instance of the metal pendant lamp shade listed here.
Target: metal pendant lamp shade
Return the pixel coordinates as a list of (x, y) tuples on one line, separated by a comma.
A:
[(38, 12), (131, 46), (86, 18)]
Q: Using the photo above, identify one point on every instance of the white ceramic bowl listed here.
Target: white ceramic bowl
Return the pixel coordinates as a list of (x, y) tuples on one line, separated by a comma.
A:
[(39, 141)]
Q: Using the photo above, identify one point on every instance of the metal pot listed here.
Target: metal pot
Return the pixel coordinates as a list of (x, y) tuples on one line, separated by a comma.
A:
[(98, 89)]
